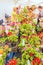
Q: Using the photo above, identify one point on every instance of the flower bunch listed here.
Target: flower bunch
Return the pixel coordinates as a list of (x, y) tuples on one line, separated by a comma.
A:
[(12, 62), (36, 61)]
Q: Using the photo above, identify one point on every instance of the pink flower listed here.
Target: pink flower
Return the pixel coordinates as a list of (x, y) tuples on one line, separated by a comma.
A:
[(24, 49), (37, 49), (3, 28), (13, 23), (7, 27)]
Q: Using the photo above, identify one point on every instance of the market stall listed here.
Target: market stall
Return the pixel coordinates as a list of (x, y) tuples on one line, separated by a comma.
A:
[(21, 35)]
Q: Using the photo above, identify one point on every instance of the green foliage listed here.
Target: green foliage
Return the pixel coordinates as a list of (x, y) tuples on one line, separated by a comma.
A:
[(26, 54), (2, 40), (34, 40), (25, 10), (11, 38), (38, 28), (3, 56), (35, 21), (27, 29)]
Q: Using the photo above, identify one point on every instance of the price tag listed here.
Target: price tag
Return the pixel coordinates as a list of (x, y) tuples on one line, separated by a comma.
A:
[(33, 30), (23, 42), (28, 62)]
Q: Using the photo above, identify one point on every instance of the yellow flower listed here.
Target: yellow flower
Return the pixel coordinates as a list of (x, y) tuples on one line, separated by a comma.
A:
[(14, 16)]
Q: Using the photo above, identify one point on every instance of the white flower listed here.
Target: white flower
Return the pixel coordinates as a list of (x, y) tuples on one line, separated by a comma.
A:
[(6, 31), (0, 55)]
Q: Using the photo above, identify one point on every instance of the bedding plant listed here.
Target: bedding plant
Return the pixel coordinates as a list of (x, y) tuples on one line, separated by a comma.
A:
[(30, 44), (24, 32)]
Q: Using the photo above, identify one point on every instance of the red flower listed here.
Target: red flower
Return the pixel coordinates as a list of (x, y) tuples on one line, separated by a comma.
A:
[(12, 62), (36, 61), (25, 37), (9, 33), (29, 45), (33, 62), (31, 54)]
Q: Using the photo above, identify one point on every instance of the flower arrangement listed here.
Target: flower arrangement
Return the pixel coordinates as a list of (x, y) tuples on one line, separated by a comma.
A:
[(3, 53), (12, 62), (27, 29), (11, 38), (29, 40)]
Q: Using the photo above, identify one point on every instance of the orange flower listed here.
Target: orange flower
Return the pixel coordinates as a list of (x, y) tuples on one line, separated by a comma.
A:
[(1, 51), (41, 34), (6, 46), (3, 34)]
